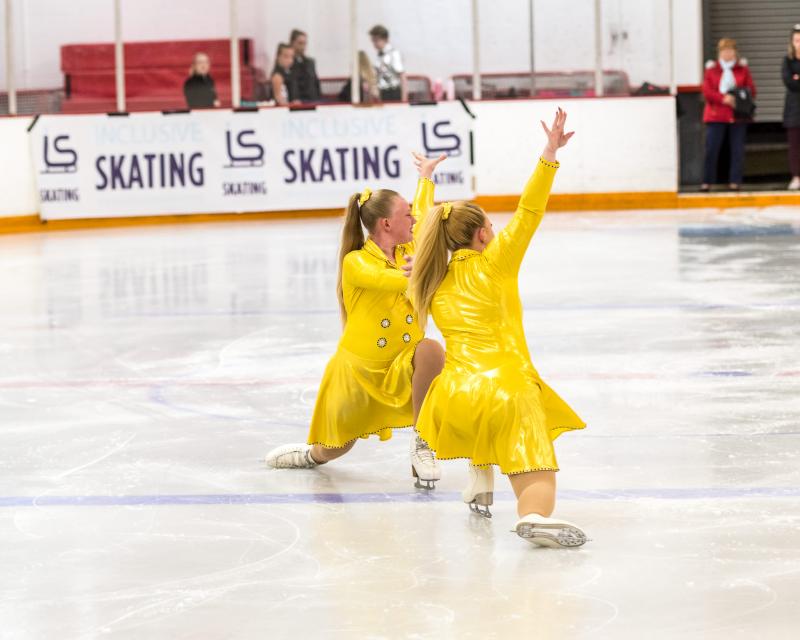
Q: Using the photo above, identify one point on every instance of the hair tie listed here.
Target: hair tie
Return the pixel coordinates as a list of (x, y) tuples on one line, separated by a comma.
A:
[(365, 194), (447, 207)]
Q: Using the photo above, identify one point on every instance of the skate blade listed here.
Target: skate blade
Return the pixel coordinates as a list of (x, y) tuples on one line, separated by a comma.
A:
[(421, 483), (551, 535), (480, 504)]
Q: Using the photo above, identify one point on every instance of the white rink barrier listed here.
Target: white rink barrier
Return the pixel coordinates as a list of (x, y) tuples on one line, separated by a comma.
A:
[(147, 164), (223, 161), (17, 184), (621, 145)]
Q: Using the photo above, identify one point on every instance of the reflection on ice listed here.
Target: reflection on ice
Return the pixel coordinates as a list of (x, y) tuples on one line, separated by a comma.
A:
[(145, 372)]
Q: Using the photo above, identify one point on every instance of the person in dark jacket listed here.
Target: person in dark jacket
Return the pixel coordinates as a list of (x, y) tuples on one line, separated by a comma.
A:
[(791, 106), (304, 70), (284, 84), (199, 86), (723, 75)]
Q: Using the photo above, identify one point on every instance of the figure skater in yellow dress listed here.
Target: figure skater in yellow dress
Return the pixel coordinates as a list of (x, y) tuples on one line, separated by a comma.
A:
[(489, 404), (383, 366)]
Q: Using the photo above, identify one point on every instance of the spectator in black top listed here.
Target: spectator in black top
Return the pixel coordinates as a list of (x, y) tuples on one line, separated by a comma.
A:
[(199, 86), (284, 85), (304, 69), (791, 106)]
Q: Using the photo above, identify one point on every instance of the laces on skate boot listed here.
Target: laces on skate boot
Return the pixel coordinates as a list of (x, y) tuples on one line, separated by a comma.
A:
[(423, 465)]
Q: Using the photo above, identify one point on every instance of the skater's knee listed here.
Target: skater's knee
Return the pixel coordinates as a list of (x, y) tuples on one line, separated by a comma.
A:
[(429, 353)]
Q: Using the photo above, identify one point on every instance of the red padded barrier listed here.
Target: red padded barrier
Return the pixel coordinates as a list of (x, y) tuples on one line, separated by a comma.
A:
[(154, 81), (171, 53), (154, 73)]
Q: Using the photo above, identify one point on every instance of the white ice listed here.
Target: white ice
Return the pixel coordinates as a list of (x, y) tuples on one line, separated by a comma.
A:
[(145, 372)]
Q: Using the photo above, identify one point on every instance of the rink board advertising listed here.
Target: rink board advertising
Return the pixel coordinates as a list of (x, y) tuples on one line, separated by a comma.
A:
[(145, 164)]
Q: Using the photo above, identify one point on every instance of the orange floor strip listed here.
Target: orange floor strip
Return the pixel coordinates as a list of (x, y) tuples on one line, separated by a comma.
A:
[(558, 202)]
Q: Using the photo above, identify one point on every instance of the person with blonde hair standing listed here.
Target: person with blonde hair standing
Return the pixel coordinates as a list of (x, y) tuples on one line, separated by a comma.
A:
[(369, 93), (722, 77), (489, 404), (383, 365), (790, 71)]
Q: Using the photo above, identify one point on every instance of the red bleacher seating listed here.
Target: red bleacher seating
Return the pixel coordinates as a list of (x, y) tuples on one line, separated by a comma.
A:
[(154, 74)]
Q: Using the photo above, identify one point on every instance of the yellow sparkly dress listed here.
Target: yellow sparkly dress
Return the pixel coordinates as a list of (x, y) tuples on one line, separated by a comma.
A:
[(366, 388), (489, 403)]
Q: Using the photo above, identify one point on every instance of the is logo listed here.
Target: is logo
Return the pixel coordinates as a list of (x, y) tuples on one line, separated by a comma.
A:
[(440, 138), (58, 157), (243, 149)]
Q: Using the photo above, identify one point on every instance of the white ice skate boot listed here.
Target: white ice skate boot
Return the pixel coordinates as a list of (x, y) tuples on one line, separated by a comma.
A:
[(291, 456), (423, 464), (794, 185), (549, 532), (479, 494)]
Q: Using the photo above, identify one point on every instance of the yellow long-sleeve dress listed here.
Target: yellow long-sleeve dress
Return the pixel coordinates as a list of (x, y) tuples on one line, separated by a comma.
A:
[(366, 388), (489, 403)]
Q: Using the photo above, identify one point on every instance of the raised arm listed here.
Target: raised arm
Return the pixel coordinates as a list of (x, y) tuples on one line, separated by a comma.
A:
[(423, 198), (358, 271), (507, 249)]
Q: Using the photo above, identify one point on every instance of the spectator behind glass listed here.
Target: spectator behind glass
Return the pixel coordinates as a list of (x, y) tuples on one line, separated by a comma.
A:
[(791, 106), (391, 74), (728, 72), (369, 82), (304, 69), (199, 86), (284, 87)]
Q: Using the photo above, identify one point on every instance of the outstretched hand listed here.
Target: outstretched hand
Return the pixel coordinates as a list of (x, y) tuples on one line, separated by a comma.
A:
[(425, 165), (556, 138)]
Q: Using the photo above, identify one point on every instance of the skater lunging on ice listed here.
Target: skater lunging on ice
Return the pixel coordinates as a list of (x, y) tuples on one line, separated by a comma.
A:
[(489, 404), (383, 365)]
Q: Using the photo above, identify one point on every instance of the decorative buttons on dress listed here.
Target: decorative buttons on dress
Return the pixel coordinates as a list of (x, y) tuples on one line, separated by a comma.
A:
[(382, 342), (406, 337), (386, 323), (409, 318)]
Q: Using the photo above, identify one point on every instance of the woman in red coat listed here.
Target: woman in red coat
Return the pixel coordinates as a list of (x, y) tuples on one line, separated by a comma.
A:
[(728, 72)]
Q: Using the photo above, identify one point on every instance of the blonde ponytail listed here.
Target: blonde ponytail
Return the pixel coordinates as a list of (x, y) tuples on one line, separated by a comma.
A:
[(352, 239), (375, 206), (439, 236)]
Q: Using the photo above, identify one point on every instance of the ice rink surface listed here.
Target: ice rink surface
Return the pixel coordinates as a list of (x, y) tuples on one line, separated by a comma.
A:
[(145, 372)]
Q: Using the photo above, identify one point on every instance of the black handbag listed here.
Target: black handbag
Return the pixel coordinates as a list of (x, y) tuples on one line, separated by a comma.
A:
[(745, 106)]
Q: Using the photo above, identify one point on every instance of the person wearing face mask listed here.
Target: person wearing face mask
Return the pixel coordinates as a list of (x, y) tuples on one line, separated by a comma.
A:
[(722, 76), (790, 71)]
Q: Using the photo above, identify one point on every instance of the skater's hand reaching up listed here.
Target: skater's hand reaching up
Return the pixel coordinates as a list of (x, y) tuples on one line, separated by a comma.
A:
[(408, 266), (556, 138), (426, 166)]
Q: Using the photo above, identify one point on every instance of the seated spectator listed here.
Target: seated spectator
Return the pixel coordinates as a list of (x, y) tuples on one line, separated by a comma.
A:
[(369, 83), (391, 74), (304, 69), (284, 86), (199, 86), (722, 76)]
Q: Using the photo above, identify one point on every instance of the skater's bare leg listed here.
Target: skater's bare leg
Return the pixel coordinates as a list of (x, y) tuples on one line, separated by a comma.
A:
[(428, 363), (321, 454), (535, 491)]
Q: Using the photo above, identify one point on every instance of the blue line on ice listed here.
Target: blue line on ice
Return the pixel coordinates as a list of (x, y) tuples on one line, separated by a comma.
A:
[(690, 493)]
